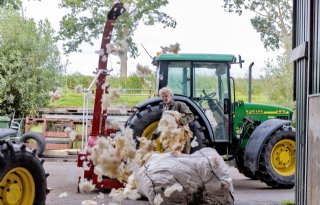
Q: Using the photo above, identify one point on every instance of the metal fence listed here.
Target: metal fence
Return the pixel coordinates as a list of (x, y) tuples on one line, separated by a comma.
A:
[(151, 92)]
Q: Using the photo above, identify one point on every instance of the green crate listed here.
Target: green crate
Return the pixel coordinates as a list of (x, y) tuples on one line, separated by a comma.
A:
[(4, 122)]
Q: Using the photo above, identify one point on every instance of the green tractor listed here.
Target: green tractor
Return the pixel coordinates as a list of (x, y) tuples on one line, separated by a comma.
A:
[(23, 180), (258, 137)]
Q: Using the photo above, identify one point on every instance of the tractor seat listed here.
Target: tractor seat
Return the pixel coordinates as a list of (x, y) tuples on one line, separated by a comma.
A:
[(7, 132)]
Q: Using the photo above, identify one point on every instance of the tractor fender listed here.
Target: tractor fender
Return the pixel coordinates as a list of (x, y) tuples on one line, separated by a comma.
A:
[(257, 140), (195, 108)]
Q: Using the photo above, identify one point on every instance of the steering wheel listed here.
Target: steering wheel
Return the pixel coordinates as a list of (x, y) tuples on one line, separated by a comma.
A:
[(213, 103), (210, 95)]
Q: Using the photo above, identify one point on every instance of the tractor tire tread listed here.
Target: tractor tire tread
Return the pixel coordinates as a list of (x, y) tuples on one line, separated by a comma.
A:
[(15, 156), (266, 173)]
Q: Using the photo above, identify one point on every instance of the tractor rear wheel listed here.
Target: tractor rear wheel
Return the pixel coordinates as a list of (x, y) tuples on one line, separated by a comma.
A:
[(277, 160), (145, 121), (23, 179)]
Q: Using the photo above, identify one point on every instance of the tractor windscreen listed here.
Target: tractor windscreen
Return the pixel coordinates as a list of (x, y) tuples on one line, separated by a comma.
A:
[(207, 83), (195, 79)]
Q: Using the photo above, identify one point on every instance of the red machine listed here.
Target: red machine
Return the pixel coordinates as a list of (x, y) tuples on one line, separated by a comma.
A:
[(99, 115)]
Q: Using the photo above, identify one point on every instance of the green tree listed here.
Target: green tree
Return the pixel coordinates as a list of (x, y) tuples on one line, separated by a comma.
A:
[(15, 4), (29, 63), (280, 73), (72, 80), (86, 19), (273, 21)]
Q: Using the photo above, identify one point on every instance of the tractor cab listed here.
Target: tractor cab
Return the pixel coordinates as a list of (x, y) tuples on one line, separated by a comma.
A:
[(203, 78)]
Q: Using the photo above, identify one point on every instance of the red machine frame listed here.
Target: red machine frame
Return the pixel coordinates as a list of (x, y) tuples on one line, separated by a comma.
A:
[(99, 115)]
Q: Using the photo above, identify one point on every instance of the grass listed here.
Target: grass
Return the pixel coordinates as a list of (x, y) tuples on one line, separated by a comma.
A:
[(71, 99), (287, 202), (254, 98)]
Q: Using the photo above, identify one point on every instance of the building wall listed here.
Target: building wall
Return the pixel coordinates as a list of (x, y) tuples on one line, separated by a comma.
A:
[(306, 58), (313, 169)]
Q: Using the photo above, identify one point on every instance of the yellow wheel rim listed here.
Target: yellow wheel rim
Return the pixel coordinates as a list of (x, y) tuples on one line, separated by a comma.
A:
[(17, 187), (283, 157), (32, 143), (148, 132)]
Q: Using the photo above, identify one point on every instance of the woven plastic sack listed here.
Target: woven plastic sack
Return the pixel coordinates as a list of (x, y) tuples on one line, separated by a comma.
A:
[(174, 178)]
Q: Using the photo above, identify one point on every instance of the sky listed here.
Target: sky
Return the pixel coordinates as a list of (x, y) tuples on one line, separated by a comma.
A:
[(202, 27)]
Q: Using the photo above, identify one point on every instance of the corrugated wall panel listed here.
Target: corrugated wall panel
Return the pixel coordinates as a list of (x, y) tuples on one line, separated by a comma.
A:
[(315, 69), (301, 34)]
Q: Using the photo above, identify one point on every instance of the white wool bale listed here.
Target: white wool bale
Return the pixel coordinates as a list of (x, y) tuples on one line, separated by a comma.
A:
[(160, 177)]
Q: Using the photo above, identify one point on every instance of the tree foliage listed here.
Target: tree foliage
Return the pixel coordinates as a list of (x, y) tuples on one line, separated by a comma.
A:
[(86, 20), (29, 63), (272, 20), (14, 4), (280, 73)]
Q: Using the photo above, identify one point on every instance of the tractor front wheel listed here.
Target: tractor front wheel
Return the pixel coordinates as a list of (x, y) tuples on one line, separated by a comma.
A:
[(243, 169), (277, 164), (23, 179)]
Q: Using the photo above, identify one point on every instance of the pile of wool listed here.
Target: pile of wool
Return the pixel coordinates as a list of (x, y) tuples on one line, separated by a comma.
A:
[(78, 88), (129, 192), (113, 156), (118, 49), (86, 185), (55, 95), (144, 72), (146, 149), (108, 98), (173, 136), (175, 48), (72, 134)]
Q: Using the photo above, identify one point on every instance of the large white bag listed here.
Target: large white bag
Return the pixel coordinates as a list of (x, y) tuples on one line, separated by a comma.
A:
[(174, 178)]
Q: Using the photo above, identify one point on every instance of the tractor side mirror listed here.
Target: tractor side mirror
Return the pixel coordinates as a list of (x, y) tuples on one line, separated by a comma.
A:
[(226, 107)]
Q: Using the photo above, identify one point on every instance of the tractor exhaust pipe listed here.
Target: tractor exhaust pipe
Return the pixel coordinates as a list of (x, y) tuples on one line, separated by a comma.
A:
[(250, 82)]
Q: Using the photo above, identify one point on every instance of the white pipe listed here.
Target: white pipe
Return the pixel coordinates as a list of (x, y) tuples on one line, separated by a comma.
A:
[(87, 116), (95, 79), (85, 110), (83, 115)]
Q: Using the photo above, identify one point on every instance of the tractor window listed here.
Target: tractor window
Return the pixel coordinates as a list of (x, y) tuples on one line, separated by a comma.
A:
[(179, 77), (211, 88), (210, 78)]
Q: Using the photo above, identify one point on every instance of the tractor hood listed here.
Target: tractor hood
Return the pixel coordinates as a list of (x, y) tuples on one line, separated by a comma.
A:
[(263, 111)]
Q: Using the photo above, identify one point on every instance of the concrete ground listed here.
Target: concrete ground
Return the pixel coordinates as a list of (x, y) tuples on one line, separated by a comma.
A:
[(64, 176)]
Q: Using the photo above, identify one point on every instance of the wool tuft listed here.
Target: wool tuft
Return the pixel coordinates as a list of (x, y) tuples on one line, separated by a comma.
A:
[(173, 188), (86, 185)]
